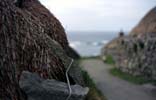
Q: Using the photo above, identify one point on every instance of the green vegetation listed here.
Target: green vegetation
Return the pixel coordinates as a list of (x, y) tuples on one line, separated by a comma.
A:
[(109, 60), (129, 77), (90, 57), (94, 93)]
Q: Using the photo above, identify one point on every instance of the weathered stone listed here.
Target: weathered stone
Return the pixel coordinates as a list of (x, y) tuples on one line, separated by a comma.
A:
[(135, 53), (37, 88)]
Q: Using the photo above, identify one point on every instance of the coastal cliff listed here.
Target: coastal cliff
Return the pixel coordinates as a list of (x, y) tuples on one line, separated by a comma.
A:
[(135, 52)]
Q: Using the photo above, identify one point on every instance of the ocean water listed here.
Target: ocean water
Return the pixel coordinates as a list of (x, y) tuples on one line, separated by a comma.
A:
[(89, 43)]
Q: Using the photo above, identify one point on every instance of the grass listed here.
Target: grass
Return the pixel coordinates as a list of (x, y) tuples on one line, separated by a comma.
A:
[(126, 76), (109, 60), (129, 77), (90, 57), (94, 93)]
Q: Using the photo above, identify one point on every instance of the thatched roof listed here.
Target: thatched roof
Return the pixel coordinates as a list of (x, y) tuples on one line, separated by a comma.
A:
[(25, 46), (147, 25), (53, 26)]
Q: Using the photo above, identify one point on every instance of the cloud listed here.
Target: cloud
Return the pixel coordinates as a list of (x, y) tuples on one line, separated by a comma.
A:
[(99, 14)]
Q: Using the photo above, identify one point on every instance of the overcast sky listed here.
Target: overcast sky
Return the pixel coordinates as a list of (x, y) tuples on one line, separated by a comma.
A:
[(99, 15)]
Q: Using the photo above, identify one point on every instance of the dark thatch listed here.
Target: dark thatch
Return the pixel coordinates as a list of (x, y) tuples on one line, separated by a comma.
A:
[(53, 27), (25, 46)]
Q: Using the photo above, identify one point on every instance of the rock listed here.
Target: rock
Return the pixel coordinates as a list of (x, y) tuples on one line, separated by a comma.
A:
[(40, 89)]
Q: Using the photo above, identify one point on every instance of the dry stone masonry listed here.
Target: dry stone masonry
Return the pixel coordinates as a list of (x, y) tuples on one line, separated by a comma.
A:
[(136, 52)]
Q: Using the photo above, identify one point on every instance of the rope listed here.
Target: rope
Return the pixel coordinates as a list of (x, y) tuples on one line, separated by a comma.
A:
[(68, 82)]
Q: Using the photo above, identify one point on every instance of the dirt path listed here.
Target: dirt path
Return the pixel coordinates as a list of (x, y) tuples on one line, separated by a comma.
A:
[(114, 88)]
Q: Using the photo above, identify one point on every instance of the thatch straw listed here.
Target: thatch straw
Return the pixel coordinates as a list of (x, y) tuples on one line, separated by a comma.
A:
[(53, 26), (25, 46)]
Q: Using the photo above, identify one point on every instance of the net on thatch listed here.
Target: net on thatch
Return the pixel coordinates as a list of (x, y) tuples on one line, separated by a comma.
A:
[(25, 46), (53, 27)]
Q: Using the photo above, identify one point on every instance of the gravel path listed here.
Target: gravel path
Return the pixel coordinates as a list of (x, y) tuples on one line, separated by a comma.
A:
[(115, 88)]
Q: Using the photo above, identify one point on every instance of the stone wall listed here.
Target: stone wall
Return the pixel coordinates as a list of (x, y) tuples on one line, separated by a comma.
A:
[(135, 53), (137, 56)]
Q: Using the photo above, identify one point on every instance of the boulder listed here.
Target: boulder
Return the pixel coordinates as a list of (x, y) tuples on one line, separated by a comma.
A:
[(38, 88)]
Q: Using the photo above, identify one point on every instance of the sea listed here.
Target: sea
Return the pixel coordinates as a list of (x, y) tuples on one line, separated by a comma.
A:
[(89, 43)]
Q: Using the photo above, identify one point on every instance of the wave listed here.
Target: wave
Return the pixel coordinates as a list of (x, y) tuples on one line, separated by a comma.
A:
[(76, 44)]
